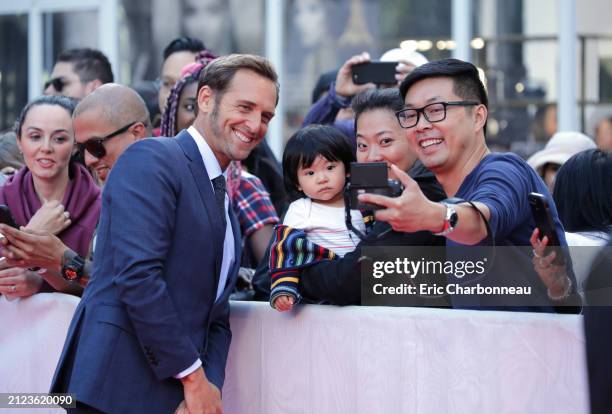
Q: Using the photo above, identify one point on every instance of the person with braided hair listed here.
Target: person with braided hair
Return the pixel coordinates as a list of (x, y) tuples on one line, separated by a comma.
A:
[(179, 111), (250, 199)]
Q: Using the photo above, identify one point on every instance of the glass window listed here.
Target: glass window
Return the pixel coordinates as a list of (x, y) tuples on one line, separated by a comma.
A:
[(323, 34), (13, 67)]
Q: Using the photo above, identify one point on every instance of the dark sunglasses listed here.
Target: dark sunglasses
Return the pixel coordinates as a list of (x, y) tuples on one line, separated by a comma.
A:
[(58, 84), (96, 146)]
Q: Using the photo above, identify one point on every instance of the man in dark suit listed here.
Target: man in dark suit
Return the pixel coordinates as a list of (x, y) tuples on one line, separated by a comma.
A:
[(151, 333)]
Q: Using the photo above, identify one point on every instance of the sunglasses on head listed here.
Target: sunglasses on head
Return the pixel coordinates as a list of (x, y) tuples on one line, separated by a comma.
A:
[(96, 147), (57, 83)]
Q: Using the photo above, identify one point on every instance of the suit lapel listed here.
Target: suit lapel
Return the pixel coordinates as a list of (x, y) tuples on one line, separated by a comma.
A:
[(237, 250), (202, 180)]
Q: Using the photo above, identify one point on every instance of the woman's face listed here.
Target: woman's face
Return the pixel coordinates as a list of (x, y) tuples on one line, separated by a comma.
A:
[(381, 139), (47, 141), (549, 173), (186, 112)]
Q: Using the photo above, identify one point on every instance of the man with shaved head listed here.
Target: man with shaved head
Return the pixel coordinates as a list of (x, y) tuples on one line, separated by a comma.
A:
[(105, 122)]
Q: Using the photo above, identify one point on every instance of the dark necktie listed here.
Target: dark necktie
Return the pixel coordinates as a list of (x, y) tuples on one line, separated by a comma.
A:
[(219, 187)]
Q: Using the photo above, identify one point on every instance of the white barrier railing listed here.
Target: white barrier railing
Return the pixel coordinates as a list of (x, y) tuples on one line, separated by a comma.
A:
[(32, 334), (323, 359)]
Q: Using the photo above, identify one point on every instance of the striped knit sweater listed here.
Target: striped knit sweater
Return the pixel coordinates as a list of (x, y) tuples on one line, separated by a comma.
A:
[(291, 252)]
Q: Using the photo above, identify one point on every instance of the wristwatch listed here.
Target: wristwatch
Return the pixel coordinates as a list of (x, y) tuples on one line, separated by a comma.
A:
[(450, 220), (73, 266)]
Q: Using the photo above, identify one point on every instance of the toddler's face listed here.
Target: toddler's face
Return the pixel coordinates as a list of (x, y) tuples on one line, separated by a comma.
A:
[(323, 181)]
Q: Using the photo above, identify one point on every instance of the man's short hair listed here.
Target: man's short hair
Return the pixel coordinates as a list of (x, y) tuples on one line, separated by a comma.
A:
[(220, 72), (183, 44), (466, 80), (88, 64)]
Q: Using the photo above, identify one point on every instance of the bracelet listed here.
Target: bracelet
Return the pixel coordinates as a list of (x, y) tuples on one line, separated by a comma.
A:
[(565, 294)]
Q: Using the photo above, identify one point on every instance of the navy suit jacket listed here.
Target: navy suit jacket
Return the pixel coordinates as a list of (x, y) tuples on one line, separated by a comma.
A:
[(149, 310)]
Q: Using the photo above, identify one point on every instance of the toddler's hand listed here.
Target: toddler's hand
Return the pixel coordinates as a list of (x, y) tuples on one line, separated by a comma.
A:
[(283, 303)]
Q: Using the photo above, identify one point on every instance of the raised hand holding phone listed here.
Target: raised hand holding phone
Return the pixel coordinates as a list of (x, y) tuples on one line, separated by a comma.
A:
[(379, 73), (344, 80), (542, 216)]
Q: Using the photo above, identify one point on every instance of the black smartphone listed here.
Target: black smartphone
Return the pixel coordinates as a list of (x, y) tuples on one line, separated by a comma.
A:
[(6, 217), (374, 72), (370, 178), (540, 211)]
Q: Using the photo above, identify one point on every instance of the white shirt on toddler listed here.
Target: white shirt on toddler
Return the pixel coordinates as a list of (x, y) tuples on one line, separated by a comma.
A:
[(325, 225)]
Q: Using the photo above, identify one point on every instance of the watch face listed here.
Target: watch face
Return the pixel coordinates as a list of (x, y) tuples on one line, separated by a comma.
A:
[(453, 219), (73, 268), (70, 274)]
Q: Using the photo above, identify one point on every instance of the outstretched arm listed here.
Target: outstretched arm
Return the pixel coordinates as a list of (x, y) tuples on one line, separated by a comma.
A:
[(412, 212)]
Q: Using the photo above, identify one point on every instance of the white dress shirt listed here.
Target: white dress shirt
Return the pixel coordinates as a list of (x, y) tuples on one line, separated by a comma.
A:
[(214, 170)]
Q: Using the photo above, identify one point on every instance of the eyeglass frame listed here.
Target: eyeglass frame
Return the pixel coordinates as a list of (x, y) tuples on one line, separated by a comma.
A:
[(100, 141), (421, 110)]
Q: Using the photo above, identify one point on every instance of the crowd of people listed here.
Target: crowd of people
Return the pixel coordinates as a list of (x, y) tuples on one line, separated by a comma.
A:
[(157, 223)]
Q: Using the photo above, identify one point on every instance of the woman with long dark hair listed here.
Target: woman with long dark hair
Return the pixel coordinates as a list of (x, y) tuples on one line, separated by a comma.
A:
[(50, 193)]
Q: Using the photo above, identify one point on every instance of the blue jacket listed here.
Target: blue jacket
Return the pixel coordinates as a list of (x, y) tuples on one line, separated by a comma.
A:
[(149, 311), (324, 112)]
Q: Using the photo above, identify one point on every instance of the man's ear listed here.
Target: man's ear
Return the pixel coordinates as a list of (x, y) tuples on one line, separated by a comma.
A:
[(92, 86), (480, 116), (139, 130), (206, 99)]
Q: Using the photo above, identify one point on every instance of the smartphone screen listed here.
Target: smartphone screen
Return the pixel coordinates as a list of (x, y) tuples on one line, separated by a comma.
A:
[(374, 72), (6, 217), (369, 174), (367, 178)]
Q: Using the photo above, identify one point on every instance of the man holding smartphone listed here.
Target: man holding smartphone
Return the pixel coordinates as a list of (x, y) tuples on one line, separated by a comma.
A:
[(445, 114), (338, 98)]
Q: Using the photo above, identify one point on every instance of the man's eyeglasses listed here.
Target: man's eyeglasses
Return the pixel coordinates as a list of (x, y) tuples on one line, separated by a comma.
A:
[(57, 83), (434, 112), (96, 147)]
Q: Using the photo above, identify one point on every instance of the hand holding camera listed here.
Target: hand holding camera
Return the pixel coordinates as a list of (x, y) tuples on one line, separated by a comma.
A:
[(370, 178), (411, 211)]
